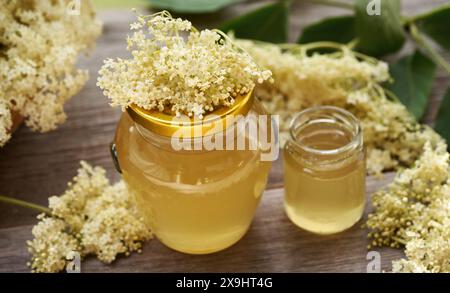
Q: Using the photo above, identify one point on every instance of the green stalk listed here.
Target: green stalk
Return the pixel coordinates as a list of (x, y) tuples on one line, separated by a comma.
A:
[(25, 204), (399, 240), (334, 3), (423, 43), (352, 44)]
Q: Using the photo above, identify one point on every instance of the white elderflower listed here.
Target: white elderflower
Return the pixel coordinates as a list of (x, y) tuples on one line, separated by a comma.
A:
[(50, 246), (414, 211), (114, 224), (430, 254), (92, 217), (178, 69), (5, 119), (87, 185), (40, 45)]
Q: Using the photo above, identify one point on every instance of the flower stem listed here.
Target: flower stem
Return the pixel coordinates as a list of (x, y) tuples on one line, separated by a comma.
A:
[(422, 42), (399, 240), (25, 204), (335, 3), (352, 44)]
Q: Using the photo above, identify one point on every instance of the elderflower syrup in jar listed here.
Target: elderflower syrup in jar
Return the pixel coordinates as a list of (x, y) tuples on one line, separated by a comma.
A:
[(189, 145), (324, 170), (197, 198)]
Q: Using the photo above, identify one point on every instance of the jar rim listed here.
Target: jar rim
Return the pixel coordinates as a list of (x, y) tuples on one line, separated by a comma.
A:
[(354, 143), (166, 125)]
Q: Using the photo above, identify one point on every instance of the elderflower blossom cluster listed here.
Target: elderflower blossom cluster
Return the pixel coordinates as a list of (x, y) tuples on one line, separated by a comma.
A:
[(177, 69), (426, 255), (391, 135), (40, 43), (92, 217), (414, 211)]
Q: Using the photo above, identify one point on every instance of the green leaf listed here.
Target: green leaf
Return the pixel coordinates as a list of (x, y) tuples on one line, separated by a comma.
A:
[(442, 125), (379, 34), (191, 6), (340, 29), (268, 23), (413, 77), (436, 24)]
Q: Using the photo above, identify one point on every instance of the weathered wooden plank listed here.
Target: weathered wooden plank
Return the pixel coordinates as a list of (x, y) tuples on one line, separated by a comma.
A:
[(273, 244)]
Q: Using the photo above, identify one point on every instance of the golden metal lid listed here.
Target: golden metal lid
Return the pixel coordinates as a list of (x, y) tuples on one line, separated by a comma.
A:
[(167, 125)]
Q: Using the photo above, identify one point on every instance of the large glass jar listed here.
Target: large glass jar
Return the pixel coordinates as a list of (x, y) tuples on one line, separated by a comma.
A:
[(199, 200)]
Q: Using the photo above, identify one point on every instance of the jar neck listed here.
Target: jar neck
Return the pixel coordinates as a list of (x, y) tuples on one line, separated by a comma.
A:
[(191, 144), (326, 135), (167, 124), (226, 135)]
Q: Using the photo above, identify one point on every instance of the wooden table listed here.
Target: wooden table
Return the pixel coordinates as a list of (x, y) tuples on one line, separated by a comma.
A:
[(35, 166)]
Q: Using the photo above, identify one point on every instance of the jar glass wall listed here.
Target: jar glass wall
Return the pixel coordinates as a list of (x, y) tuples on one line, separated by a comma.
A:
[(195, 201), (324, 170)]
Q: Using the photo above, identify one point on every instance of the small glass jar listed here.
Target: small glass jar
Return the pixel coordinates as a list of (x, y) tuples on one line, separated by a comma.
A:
[(324, 165), (195, 200)]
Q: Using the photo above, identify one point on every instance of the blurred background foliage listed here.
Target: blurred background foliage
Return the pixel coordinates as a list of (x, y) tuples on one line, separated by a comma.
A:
[(103, 4)]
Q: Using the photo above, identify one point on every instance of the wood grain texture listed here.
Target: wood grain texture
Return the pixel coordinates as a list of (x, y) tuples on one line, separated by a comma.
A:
[(273, 244), (35, 166)]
